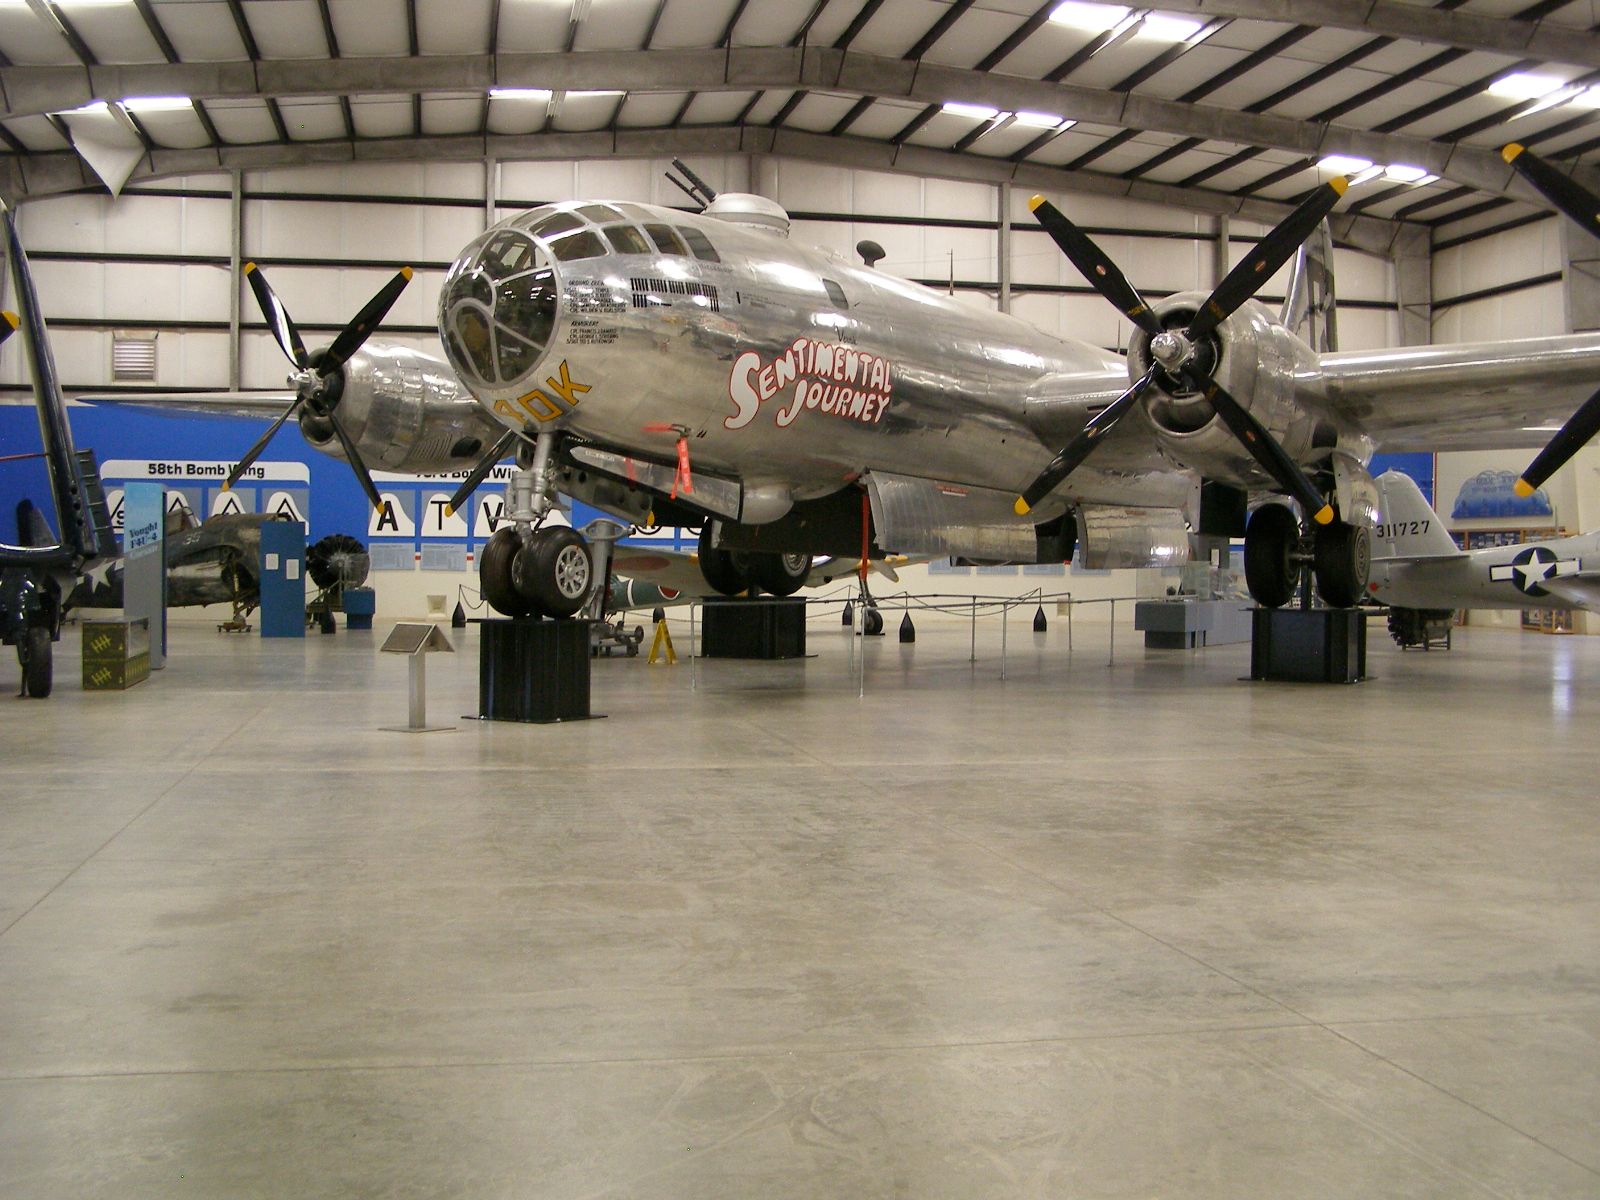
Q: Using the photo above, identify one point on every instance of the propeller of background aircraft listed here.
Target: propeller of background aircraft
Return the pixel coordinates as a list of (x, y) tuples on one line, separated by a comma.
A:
[(1173, 351), (1583, 206), (319, 377), (8, 324)]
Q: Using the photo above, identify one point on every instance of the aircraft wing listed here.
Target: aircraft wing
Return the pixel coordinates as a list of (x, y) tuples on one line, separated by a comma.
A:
[(1482, 396), (262, 405), (672, 569), (1582, 590)]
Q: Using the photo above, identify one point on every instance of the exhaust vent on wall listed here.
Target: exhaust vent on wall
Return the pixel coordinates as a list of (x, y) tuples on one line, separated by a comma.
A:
[(133, 355)]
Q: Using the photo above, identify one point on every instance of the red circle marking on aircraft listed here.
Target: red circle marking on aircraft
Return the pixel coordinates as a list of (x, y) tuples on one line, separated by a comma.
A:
[(669, 593)]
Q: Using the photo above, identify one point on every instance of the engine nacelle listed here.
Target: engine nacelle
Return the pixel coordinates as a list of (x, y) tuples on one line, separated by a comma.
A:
[(406, 412), (1257, 361)]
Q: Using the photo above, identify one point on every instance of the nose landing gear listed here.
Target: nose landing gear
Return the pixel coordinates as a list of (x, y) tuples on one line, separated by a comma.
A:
[(531, 570)]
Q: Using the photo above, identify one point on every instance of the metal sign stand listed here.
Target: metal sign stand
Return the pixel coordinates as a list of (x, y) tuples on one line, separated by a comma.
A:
[(417, 642)]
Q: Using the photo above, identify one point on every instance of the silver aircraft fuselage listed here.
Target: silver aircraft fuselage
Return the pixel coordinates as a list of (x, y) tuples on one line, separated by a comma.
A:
[(779, 364)]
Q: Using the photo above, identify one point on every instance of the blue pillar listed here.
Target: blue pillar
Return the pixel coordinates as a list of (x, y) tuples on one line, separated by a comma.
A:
[(283, 579)]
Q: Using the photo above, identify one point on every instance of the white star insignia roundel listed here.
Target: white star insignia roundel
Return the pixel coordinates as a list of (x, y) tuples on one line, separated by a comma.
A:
[(1532, 567)]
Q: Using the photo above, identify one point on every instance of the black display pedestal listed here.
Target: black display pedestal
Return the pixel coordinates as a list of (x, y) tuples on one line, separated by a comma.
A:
[(533, 670), (1309, 645), (754, 629)]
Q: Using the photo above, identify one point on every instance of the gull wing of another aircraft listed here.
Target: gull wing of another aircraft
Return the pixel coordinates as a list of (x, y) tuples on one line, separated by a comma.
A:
[(195, 404)]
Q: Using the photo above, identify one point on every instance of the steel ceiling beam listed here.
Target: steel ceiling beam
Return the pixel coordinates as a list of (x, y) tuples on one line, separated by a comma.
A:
[(48, 174), (1465, 31), (43, 89)]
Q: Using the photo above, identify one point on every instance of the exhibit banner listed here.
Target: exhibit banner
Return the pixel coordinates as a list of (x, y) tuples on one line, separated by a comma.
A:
[(144, 578)]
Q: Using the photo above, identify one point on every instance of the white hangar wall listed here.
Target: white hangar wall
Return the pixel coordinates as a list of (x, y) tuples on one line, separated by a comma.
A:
[(160, 258)]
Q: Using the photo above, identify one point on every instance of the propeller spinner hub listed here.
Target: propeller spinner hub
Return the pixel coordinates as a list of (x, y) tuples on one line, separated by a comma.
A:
[(1171, 349)]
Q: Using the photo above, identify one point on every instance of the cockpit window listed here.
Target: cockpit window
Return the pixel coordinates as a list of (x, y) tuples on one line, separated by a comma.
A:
[(506, 254), (498, 308), (703, 249), (627, 239), (666, 241), (561, 222), (836, 294), (583, 244), (599, 213)]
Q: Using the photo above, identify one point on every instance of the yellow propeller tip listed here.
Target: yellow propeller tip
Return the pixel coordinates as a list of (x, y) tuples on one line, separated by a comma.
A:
[(449, 510), (226, 485), (12, 319), (1022, 508), (1523, 488), (1324, 515), (248, 267), (407, 272), (650, 517), (1510, 151), (1339, 184), (1034, 202)]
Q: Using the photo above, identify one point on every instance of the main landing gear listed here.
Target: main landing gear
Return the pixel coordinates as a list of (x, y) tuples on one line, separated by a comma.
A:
[(1276, 553), (735, 572), (527, 568)]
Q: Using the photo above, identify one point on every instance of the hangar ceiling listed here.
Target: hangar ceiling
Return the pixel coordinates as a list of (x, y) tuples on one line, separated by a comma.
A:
[(1215, 105)]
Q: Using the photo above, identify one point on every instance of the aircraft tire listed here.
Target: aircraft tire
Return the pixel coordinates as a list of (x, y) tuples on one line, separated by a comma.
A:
[(1343, 559), (554, 571), (872, 623), (722, 569), (1269, 545), (780, 574), (494, 574), (36, 655)]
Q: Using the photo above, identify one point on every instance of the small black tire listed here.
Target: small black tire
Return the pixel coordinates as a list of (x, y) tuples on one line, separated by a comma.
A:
[(554, 571), (1342, 557), (1270, 541), (36, 655), (494, 574), (722, 569), (780, 574), (872, 623)]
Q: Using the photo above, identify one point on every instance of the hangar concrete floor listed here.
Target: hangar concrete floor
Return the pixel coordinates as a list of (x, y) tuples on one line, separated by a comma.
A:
[(1130, 930)]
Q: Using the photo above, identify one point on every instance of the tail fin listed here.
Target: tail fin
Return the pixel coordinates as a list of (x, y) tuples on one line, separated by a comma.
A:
[(1308, 308), (1408, 527)]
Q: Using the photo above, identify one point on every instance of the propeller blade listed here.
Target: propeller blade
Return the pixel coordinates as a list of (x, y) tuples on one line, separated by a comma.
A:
[(364, 322), (1080, 447), (250, 455), (8, 324), (1264, 448), (278, 318), (1270, 253), (1093, 264), (480, 472), (354, 457), (1573, 436), (1566, 193)]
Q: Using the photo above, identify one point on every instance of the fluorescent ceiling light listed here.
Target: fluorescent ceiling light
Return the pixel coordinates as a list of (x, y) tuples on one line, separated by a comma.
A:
[(1039, 120), (978, 112), (1093, 18), (1523, 85), (1343, 164), (581, 94), (1541, 429), (1159, 27), (141, 104), (94, 106), (540, 94), (1366, 176), (1588, 98), (1401, 173)]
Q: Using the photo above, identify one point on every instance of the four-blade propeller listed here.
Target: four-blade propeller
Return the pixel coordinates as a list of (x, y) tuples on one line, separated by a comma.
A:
[(1583, 206), (1173, 351), (318, 378)]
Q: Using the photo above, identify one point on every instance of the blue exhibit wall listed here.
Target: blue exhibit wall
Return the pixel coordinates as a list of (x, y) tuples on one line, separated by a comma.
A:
[(1420, 466), (318, 489)]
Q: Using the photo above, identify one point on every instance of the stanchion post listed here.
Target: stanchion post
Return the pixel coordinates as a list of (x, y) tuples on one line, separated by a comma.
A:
[(1112, 660)]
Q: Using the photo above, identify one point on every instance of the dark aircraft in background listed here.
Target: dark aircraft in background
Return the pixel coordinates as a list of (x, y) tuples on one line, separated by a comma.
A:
[(41, 568)]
